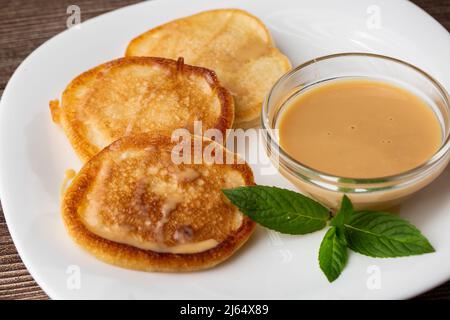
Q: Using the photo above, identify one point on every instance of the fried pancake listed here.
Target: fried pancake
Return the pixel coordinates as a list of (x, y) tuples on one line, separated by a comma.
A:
[(232, 42), (139, 94), (133, 207)]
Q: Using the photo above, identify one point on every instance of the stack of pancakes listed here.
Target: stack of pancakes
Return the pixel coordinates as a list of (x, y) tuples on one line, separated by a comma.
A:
[(131, 204)]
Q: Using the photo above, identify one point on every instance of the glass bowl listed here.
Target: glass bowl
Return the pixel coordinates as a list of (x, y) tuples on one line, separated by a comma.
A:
[(373, 193)]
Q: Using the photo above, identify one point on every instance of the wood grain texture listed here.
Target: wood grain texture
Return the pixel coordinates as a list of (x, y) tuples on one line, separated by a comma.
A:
[(24, 25)]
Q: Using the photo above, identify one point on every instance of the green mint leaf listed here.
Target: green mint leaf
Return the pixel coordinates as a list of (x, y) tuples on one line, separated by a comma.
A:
[(333, 253), (383, 235), (344, 213), (279, 209)]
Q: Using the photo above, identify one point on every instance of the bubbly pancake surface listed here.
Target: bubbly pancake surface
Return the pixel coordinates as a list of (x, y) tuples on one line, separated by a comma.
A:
[(132, 206), (141, 94), (232, 42)]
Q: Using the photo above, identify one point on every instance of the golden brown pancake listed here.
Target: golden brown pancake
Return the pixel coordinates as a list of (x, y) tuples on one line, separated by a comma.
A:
[(133, 207), (232, 42), (139, 94)]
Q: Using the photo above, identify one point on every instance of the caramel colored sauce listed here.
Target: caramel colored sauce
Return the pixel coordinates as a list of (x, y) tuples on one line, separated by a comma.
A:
[(359, 129)]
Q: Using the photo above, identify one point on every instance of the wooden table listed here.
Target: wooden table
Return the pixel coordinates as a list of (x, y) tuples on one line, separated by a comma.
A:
[(24, 25)]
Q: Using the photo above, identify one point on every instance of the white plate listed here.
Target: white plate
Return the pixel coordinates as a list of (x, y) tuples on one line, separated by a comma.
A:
[(35, 154)]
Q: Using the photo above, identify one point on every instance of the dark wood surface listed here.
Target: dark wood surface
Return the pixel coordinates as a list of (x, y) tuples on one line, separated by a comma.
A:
[(24, 25)]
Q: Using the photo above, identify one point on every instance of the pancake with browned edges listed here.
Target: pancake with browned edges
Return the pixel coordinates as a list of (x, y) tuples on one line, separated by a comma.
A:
[(139, 94), (133, 207), (233, 43)]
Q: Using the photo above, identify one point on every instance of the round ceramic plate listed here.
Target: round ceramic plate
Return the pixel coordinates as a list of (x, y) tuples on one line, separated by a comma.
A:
[(35, 154)]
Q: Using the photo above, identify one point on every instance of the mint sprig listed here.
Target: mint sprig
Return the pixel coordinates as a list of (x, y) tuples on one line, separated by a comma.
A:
[(371, 233), (333, 253), (383, 235), (344, 213), (279, 209)]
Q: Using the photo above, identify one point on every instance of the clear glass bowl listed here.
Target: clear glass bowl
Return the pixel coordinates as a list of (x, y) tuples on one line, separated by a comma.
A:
[(374, 193)]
